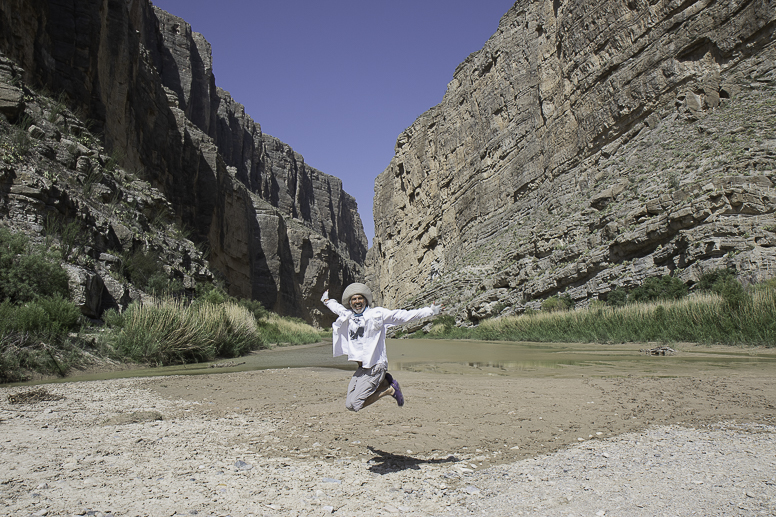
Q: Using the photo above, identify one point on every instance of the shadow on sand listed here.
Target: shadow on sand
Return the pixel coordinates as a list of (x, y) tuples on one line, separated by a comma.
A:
[(386, 462)]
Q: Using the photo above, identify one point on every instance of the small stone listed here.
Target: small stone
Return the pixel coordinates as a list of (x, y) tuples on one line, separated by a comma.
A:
[(241, 465), (331, 480), (472, 490), (328, 509)]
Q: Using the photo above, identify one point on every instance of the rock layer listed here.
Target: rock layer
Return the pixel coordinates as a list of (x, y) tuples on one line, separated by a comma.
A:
[(279, 230), (586, 146)]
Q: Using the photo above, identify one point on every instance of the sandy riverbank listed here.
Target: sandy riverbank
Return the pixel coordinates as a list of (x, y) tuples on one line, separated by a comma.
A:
[(279, 442)]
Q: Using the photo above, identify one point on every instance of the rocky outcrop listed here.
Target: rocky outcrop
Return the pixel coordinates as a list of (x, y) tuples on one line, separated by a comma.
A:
[(278, 230), (586, 146)]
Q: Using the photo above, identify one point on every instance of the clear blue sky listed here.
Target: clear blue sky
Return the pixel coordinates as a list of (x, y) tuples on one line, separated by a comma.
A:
[(339, 80)]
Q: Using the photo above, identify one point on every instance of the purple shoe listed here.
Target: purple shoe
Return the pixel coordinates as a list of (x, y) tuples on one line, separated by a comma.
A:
[(397, 392)]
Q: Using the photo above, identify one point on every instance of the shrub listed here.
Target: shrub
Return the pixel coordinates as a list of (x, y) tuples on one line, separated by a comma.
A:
[(61, 312), (26, 274), (708, 280), (141, 267), (46, 317), (254, 307), (618, 297), (658, 288), (20, 353), (732, 292), (113, 318), (557, 303), (209, 293)]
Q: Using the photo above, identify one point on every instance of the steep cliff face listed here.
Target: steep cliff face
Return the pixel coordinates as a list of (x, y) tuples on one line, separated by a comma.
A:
[(586, 146), (279, 230)]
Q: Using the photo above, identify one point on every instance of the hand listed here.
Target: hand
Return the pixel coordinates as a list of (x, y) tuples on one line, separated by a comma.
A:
[(436, 309), (325, 297)]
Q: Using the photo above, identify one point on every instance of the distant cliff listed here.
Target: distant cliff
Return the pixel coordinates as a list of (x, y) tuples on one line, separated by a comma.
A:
[(278, 230), (586, 146)]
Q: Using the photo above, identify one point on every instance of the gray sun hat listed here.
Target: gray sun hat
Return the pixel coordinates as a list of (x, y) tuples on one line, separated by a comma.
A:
[(353, 289)]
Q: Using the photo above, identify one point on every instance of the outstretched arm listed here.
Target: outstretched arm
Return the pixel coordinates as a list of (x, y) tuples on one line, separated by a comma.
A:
[(400, 317), (333, 305)]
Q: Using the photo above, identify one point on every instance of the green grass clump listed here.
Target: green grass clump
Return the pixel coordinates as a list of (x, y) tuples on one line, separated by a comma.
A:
[(171, 331), (289, 331)]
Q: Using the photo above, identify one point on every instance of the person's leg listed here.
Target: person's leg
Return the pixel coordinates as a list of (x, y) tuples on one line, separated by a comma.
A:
[(382, 390), (363, 386)]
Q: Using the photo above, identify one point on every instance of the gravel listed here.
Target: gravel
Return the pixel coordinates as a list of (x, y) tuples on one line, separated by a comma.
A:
[(100, 449)]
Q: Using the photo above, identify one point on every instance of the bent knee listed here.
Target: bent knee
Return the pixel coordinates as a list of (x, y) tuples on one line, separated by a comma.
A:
[(354, 406)]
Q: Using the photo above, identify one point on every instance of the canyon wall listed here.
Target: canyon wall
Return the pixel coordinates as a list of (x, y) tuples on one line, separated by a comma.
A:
[(586, 146), (278, 230)]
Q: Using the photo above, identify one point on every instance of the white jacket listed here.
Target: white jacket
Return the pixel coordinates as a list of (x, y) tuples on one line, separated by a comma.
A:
[(376, 321)]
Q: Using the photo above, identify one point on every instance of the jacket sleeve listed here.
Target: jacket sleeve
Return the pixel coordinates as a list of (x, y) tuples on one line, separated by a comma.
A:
[(336, 307), (399, 317)]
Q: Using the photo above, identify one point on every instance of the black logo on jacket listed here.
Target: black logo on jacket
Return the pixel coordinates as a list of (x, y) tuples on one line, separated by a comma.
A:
[(355, 334)]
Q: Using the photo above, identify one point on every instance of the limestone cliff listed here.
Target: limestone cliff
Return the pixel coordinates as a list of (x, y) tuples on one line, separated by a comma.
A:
[(587, 145), (279, 230)]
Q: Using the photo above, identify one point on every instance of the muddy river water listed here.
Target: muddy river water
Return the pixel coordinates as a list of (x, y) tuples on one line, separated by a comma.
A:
[(509, 359)]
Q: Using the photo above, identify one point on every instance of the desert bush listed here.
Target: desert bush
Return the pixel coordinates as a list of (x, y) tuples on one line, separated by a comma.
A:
[(140, 267), (27, 274), (113, 318), (557, 303), (658, 288), (69, 235), (617, 297), (708, 280), (48, 317), (254, 307), (207, 292), (21, 353)]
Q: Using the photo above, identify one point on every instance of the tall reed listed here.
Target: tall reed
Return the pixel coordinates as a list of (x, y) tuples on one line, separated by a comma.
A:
[(170, 331), (290, 331), (699, 318)]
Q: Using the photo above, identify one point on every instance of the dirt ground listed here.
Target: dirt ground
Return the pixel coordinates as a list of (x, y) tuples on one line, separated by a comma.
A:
[(496, 419), (664, 437)]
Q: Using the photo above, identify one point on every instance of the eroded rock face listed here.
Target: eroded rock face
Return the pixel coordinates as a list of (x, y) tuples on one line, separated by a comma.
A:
[(145, 80), (586, 146)]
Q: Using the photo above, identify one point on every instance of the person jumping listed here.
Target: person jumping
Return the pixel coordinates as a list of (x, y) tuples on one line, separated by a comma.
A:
[(359, 333)]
